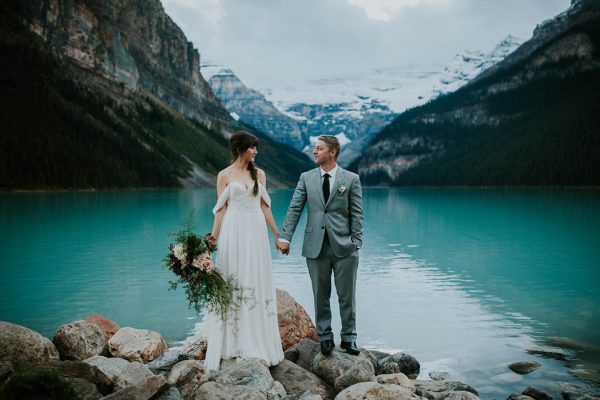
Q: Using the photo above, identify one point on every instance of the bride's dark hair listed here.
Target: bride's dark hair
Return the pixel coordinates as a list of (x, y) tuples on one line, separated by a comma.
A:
[(239, 143)]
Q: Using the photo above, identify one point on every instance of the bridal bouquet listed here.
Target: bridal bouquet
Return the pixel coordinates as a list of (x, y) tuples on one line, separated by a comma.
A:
[(190, 259)]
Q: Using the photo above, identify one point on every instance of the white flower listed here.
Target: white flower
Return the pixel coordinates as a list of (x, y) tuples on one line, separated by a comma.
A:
[(341, 189), (203, 263), (179, 252)]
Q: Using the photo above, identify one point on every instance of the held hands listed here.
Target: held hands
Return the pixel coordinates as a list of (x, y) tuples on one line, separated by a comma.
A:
[(283, 247)]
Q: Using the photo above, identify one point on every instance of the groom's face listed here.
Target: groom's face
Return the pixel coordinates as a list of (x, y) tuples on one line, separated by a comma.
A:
[(322, 153)]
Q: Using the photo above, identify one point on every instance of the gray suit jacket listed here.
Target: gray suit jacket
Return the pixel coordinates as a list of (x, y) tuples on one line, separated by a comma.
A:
[(342, 216)]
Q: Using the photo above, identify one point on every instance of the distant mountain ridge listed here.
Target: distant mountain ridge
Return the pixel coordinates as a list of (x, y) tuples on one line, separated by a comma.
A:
[(532, 119), (108, 94), (355, 108)]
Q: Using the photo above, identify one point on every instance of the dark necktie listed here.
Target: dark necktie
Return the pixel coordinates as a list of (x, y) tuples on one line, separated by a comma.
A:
[(326, 187)]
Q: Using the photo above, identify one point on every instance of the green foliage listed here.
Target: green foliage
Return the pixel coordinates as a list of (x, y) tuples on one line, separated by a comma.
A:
[(45, 385), (58, 134), (204, 289)]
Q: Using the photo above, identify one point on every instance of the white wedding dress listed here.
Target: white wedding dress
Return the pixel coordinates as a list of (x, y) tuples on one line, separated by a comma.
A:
[(243, 251)]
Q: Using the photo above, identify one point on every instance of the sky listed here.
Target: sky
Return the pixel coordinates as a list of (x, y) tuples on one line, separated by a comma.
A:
[(286, 41)]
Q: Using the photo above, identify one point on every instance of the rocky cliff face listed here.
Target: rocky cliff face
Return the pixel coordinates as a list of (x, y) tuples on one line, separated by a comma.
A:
[(133, 43), (253, 108), (503, 99)]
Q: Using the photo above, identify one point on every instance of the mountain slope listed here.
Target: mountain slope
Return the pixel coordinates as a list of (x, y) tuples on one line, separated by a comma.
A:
[(69, 127), (534, 119)]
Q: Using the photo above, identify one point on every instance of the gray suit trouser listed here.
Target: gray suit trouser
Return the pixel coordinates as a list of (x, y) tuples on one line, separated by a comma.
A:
[(344, 272)]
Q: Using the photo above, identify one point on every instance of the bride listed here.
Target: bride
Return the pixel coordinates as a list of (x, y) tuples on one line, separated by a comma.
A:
[(242, 208)]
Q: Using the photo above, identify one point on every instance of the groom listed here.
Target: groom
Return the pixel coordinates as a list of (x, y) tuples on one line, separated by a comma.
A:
[(332, 237)]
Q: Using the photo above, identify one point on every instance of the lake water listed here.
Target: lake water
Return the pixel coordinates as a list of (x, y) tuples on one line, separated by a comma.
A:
[(465, 280)]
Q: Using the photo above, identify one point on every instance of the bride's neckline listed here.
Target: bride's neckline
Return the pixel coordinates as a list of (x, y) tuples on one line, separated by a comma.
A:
[(241, 184)]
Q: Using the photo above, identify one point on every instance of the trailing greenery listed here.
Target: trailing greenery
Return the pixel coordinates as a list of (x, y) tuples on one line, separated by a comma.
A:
[(548, 132), (45, 385), (58, 134)]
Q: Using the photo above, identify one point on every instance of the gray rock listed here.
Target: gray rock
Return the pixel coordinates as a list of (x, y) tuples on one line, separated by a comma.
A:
[(121, 372), (342, 370), (79, 340), (549, 352), (78, 370), (139, 345), (516, 396), (376, 391), (439, 390), (253, 373), (84, 389), (21, 345), (461, 395), (397, 379), (310, 397), (536, 394), (195, 348), (171, 393), (400, 362), (303, 353), (142, 390), (218, 391), (164, 363), (299, 382), (439, 376), (188, 376), (524, 367), (577, 396), (7, 368)]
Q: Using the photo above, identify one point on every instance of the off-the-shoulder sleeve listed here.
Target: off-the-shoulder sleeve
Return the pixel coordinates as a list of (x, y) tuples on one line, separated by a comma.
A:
[(265, 195), (222, 200)]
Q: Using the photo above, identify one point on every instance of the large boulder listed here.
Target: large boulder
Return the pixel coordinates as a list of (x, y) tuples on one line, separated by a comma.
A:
[(143, 390), (188, 376), (303, 353), (299, 382), (21, 345), (195, 348), (166, 362), (294, 322), (84, 389), (218, 391), (78, 340), (77, 370), (397, 379), (108, 327), (439, 390), (121, 373), (341, 370), (376, 391), (400, 362), (139, 345), (253, 373)]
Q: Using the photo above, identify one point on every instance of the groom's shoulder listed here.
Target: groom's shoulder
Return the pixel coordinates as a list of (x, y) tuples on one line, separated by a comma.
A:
[(310, 171), (353, 176)]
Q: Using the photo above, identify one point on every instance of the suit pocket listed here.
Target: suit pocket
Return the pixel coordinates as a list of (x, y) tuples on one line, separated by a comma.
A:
[(308, 229)]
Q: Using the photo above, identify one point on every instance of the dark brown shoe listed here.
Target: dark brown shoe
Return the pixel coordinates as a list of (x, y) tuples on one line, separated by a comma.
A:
[(350, 348), (327, 346)]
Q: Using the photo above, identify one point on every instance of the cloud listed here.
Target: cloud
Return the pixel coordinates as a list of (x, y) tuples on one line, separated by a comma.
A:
[(287, 41)]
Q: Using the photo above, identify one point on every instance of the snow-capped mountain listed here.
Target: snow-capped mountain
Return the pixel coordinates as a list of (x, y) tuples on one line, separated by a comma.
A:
[(355, 106)]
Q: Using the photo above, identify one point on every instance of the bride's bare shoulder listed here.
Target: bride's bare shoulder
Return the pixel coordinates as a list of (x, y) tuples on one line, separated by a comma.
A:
[(224, 174)]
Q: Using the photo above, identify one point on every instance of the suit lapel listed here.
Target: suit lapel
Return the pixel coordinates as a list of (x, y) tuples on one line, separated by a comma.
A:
[(319, 186)]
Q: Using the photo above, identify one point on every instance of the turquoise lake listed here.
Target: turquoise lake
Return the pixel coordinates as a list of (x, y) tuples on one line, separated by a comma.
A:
[(465, 280)]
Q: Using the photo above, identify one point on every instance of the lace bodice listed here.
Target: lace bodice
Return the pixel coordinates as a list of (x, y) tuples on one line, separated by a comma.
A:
[(238, 197)]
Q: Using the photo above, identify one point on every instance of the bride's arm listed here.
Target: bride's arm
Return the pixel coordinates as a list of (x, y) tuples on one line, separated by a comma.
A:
[(221, 184), (265, 207)]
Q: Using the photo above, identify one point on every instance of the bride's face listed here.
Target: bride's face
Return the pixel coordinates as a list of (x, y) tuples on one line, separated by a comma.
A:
[(250, 154)]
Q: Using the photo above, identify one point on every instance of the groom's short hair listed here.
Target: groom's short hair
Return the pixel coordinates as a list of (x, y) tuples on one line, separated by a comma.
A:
[(332, 142)]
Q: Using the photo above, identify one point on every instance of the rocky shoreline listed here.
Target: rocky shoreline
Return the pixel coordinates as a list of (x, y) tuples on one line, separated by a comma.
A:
[(94, 358)]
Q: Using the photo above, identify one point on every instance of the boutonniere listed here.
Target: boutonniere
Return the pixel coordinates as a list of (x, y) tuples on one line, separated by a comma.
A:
[(341, 189)]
